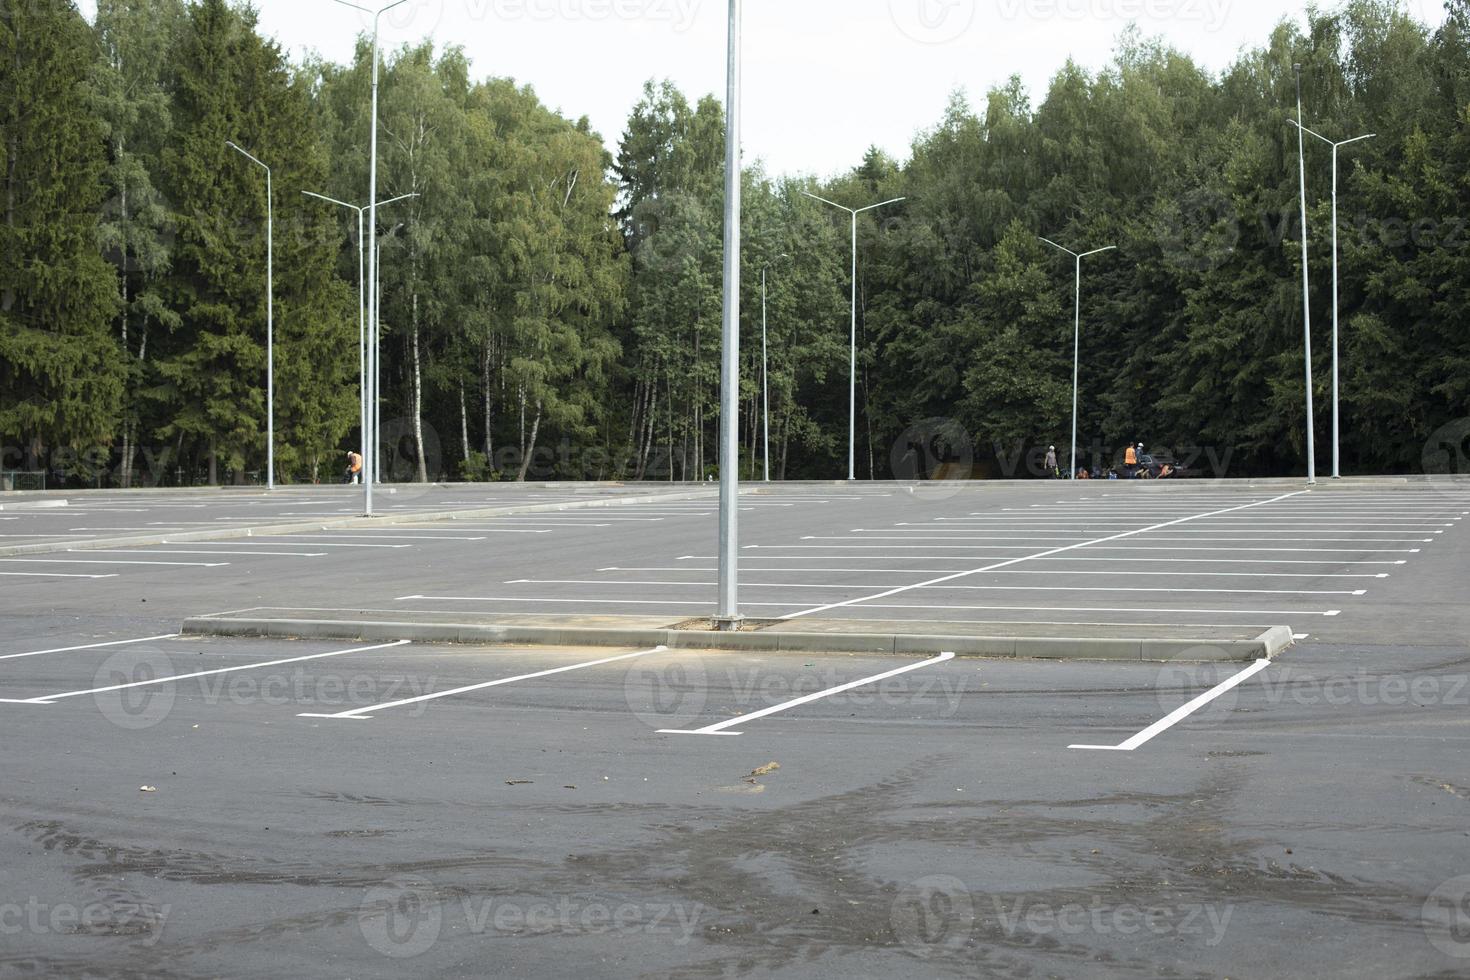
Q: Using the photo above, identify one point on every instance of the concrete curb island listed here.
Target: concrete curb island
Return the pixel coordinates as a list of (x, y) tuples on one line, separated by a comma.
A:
[(1266, 646)]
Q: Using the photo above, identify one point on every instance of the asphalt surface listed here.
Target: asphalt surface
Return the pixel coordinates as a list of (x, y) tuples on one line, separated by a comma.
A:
[(490, 812)]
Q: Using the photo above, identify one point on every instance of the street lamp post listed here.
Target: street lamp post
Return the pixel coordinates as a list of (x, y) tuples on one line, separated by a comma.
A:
[(1336, 426), (370, 454), (1301, 150), (362, 380), (727, 616), (852, 367), (1077, 340), (270, 327)]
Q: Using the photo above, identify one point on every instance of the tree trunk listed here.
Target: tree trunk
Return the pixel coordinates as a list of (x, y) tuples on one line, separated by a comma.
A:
[(464, 425), (526, 459), (486, 388), (418, 399), (213, 464)]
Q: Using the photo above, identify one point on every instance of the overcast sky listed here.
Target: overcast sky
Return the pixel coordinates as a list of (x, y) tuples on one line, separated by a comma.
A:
[(824, 79)]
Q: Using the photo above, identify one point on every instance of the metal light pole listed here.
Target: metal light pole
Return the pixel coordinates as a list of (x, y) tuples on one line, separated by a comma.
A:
[(852, 369), (1077, 340), (728, 615), (1301, 150), (370, 453), (1336, 427), (362, 387), (270, 327)]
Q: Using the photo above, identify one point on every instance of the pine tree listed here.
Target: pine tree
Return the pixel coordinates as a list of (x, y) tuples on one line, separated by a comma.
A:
[(61, 372)]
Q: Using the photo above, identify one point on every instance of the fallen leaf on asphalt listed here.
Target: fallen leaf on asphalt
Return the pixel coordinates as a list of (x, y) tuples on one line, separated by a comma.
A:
[(518, 782)]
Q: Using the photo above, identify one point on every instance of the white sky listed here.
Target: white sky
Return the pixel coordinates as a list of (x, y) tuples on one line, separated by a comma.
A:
[(824, 79)]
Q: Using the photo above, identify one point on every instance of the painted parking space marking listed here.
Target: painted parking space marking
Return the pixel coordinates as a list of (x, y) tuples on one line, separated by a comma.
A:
[(55, 575), (723, 728), (1017, 571), (239, 554), (1130, 610), (85, 561), (306, 539), (88, 646), (363, 714), (1179, 714), (766, 556), (927, 588), (53, 698), (1044, 554)]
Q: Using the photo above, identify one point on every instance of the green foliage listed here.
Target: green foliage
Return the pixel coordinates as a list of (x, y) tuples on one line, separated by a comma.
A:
[(60, 371), (557, 308)]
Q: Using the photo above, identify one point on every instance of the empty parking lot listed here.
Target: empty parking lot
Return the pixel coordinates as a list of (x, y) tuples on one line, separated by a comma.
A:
[(403, 807)]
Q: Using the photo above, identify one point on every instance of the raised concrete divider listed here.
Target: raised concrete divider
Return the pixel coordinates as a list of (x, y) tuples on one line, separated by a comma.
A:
[(40, 504), (1267, 645), (347, 523)]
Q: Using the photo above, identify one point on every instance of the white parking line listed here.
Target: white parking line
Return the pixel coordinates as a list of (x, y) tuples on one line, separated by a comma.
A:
[(53, 698), (1178, 715), (1186, 561), (723, 727), (1044, 554), (838, 587), (54, 575), (1019, 571), (306, 539), (88, 646), (1071, 537), (363, 714), (709, 604), (83, 561), (239, 554), (235, 543)]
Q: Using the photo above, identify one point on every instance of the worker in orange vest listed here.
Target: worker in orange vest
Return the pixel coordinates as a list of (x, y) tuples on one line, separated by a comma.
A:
[(1130, 460), (354, 467)]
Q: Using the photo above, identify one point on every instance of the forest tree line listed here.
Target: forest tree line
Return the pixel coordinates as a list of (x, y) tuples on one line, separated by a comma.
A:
[(551, 308)]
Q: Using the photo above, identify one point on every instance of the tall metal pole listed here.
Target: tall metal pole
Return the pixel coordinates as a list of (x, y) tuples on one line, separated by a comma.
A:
[(370, 437), (1076, 368), (765, 385), (1301, 149), (270, 338), (1336, 296), (852, 362), (1077, 341), (728, 614), (1336, 428), (361, 339), (370, 433), (270, 327), (363, 391), (852, 368)]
